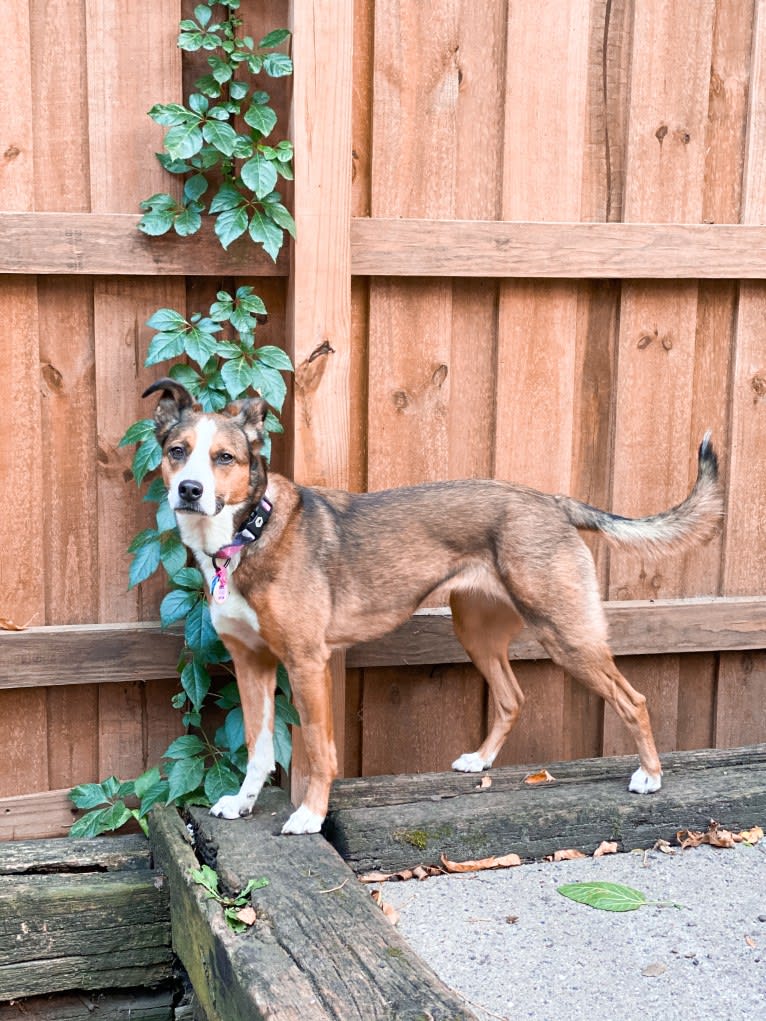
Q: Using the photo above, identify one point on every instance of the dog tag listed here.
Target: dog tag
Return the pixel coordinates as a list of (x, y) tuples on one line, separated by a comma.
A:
[(220, 586)]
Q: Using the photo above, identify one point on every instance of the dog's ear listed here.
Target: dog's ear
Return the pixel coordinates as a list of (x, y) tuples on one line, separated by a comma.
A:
[(250, 415), (174, 401)]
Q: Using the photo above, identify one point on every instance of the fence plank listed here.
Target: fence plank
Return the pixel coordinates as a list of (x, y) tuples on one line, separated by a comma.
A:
[(656, 360), (319, 296)]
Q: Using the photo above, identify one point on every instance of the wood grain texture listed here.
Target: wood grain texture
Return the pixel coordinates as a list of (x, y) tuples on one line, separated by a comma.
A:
[(389, 823)]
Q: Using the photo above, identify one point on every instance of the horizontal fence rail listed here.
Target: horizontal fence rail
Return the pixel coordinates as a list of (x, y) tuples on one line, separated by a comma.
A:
[(120, 653), (110, 244)]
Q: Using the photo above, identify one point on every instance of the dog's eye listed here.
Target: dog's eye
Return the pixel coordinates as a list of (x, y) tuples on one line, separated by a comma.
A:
[(224, 457), (176, 453)]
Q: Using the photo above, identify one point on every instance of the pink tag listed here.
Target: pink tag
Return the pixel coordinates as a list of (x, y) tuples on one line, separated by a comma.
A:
[(220, 587)]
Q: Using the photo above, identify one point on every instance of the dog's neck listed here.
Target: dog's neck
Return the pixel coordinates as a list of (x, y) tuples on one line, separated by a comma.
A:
[(207, 535)]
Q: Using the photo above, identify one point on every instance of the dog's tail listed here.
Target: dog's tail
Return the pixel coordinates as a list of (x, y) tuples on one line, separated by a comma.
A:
[(694, 521)]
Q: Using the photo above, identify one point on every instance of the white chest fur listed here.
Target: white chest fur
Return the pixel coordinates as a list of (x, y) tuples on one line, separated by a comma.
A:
[(235, 616)]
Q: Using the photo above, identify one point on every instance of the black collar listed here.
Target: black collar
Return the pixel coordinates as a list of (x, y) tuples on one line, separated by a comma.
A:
[(250, 532)]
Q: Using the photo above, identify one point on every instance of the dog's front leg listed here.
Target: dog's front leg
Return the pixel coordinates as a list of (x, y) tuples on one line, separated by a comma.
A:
[(256, 671), (311, 683)]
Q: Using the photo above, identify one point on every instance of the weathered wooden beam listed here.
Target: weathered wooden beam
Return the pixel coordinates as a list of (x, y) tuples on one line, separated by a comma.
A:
[(46, 814), (319, 949), (99, 653), (135, 1005), (94, 924), (391, 822), (110, 244), (491, 248)]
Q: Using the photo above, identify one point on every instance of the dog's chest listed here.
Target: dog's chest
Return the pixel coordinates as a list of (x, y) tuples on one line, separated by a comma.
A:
[(234, 617)]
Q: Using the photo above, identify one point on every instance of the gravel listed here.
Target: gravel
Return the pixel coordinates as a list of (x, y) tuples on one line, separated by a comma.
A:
[(514, 947)]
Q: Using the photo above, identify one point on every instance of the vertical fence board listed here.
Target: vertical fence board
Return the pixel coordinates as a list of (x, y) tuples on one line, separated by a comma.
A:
[(319, 294), (656, 362), (133, 62), (545, 114)]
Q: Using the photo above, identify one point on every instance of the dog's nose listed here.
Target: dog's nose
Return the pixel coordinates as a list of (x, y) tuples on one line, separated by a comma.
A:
[(190, 491)]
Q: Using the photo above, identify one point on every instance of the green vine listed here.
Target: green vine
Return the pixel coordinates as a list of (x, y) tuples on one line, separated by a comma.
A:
[(221, 363), (206, 139)]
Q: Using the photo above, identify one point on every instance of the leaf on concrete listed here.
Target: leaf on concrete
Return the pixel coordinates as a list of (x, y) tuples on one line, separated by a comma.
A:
[(606, 847), (542, 776), (715, 835), (604, 896), (654, 970), (664, 846), (9, 625), (247, 916), (505, 861), (568, 854), (485, 783), (388, 909), (752, 836)]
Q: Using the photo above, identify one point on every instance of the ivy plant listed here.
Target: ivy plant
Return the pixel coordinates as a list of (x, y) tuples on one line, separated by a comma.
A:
[(222, 363), (220, 140)]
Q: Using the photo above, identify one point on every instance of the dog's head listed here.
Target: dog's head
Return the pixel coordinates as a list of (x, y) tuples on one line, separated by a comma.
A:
[(210, 461)]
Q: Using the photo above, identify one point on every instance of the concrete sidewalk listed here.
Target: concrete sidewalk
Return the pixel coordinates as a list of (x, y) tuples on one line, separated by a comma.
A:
[(515, 948)]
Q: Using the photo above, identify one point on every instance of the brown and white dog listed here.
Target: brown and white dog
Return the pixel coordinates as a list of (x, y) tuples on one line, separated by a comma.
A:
[(295, 572)]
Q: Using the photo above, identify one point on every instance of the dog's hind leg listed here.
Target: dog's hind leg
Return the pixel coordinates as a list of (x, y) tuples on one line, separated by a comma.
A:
[(256, 671), (485, 627)]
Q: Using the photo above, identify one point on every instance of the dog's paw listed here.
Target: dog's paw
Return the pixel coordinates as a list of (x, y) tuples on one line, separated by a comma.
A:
[(232, 806), (644, 783), (470, 762), (303, 820)]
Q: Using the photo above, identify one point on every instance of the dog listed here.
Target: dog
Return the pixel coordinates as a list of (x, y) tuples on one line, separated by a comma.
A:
[(293, 573)]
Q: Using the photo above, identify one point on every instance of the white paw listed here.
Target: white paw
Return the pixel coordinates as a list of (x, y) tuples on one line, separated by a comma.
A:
[(232, 806), (471, 762), (644, 783), (303, 820)]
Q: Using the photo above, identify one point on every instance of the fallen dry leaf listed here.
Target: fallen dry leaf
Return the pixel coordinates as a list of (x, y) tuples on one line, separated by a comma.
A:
[(419, 872), (566, 855), (664, 846), (606, 847), (653, 970), (375, 877), (512, 919), (540, 777), (247, 916), (9, 625), (750, 942), (506, 861), (751, 836), (715, 835), (486, 782), (388, 909)]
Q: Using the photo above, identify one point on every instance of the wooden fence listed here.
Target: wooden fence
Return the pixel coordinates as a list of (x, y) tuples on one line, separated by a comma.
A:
[(531, 233)]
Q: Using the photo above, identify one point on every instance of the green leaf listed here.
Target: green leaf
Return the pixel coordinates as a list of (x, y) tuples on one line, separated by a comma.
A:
[(172, 166), (265, 231), (222, 70), (234, 729), (184, 140), (189, 578), (208, 878), (604, 896), (219, 134), (146, 458), (172, 554), (277, 65), (187, 376), (199, 632), (274, 357), (146, 781), (145, 562), (274, 38), (90, 825), (166, 320), (286, 710), (156, 224), (279, 214), (259, 175), (165, 518), (238, 90), (177, 604), (170, 114), (185, 746), (262, 118), (145, 537), (283, 745), (195, 681), (203, 14), (237, 375), (194, 187), (221, 780), (138, 432), (199, 104), (189, 221), (227, 197), (164, 346), (250, 301), (208, 86), (200, 345), (157, 792), (184, 776), (231, 224), (270, 385), (88, 795)]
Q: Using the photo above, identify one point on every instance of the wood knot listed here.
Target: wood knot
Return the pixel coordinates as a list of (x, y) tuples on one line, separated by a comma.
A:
[(400, 399), (11, 153), (758, 384), (660, 133), (667, 342), (645, 340), (439, 375), (52, 378)]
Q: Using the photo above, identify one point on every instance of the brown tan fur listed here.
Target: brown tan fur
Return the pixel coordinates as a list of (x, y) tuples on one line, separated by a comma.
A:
[(332, 569)]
